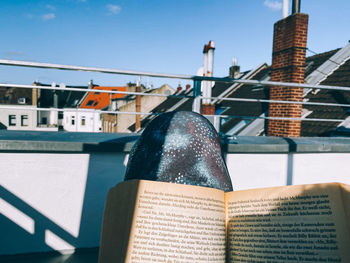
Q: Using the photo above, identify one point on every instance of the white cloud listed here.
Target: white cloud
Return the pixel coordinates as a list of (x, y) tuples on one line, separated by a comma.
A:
[(51, 7), (273, 5), (113, 9), (48, 16)]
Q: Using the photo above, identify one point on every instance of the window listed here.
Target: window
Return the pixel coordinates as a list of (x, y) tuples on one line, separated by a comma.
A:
[(21, 100), (83, 119), (218, 111), (73, 120), (89, 103), (24, 120), (12, 120), (44, 120)]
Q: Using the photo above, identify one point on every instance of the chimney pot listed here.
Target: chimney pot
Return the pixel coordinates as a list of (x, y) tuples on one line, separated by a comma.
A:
[(234, 61), (211, 45), (205, 49), (285, 8), (296, 7)]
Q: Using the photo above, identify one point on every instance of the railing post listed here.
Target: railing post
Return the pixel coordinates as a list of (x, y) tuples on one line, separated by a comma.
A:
[(196, 106), (217, 122), (138, 108)]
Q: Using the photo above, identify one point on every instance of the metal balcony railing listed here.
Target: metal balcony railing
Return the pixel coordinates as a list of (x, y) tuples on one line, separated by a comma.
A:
[(195, 97)]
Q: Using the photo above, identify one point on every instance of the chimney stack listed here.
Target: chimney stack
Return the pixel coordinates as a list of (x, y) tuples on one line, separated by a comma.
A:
[(55, 96), (288, 65), (234, 69), (207, 108), (35, 95), (179, 88)]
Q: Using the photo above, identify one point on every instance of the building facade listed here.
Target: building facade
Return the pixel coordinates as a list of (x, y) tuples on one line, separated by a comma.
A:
[(81, 120), (13, 117)]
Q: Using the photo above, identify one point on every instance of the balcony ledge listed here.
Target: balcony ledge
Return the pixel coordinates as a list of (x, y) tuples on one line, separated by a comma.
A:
[(80, 142)]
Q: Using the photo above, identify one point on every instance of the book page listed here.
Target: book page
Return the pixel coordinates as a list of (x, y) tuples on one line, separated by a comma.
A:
[(346, 202), (177, 223), (287, 224)]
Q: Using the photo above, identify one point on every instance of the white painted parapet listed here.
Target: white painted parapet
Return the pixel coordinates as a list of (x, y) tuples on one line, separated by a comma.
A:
[(54, 185)]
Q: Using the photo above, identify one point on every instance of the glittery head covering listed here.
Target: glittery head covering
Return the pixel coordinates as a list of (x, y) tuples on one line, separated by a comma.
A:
[(180, 147)]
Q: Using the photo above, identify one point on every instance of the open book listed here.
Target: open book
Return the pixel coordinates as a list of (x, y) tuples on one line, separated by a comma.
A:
[(147, 221)]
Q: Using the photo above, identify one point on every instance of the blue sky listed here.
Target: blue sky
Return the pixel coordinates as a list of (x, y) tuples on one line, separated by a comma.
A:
[(151, 35)]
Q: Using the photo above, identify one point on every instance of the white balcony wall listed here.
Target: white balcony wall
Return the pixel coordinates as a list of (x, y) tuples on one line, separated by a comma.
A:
[(55, 201), (54, 195)]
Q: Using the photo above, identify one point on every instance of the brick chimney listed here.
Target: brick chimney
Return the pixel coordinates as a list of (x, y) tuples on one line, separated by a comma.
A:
[(288, 65), (35, 95)]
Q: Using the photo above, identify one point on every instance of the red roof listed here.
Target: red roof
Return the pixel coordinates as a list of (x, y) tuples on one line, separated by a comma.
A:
[(99, 100)]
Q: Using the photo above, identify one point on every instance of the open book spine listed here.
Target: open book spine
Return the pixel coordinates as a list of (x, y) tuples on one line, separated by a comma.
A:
[(118, 222)]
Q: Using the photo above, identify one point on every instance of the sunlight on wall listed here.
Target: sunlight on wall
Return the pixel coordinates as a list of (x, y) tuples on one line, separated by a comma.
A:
[(17, 216), (249, 171), (126, 159), (57, 243), (51, 184)]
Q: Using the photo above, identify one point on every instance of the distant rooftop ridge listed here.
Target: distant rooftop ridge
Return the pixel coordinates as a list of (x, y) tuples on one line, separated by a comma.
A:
[(328, 67)]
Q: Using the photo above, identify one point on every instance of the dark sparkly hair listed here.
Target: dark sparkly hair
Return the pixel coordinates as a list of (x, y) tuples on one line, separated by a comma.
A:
[(180, 147)]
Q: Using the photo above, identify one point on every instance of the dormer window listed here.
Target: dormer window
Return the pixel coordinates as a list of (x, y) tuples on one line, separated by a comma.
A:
[(89, 103)]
